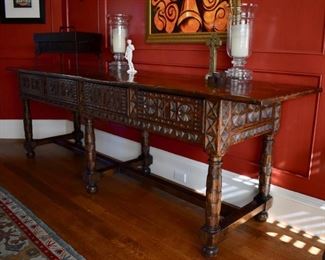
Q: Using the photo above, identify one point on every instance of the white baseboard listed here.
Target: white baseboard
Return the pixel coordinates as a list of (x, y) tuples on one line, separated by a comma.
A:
[(290, 208), (13, 129)]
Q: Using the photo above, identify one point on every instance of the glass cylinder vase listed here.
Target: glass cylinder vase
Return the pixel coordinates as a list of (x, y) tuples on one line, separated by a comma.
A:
[(118, 28), (239, 39)]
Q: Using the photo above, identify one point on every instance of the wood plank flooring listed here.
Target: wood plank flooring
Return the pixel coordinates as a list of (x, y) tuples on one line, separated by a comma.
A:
[(128, 219)]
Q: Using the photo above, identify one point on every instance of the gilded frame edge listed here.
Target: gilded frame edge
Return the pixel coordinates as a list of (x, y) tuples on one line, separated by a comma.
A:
[(199, 37)]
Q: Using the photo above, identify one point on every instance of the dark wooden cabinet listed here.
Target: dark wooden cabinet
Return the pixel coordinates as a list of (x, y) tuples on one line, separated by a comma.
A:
[(181, 107), (68, 42)]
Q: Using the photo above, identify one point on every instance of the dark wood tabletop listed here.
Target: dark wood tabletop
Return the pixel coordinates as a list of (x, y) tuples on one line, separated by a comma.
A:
[(255, 92)]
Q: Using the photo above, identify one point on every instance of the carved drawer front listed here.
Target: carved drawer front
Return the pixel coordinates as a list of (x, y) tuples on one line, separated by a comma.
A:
[(171, 115), (250, 120), (61, 91), (228, 122), (245, 114), (31, 85), (105, 101)]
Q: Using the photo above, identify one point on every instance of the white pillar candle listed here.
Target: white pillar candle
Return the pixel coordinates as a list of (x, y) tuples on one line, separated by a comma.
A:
[(240, 40), (119, 37)]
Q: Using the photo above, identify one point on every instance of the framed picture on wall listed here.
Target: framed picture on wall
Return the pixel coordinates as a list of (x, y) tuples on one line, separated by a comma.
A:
[(187, 20), (22, 11)]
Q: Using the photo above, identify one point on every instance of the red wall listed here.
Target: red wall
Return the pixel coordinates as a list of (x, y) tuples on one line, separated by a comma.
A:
[(17, 49), (288, 47)]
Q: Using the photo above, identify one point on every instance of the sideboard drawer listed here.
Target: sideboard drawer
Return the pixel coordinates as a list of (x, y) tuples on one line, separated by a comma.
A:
[(61, 91), (31, 85), (166, 114), (177, 111), (105, 101)]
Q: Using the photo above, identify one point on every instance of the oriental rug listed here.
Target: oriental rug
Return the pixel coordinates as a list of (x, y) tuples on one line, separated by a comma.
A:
[(24, 236)]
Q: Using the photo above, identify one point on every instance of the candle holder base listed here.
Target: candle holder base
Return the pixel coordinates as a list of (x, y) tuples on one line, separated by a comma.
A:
[(238, 70), (118, 65), (239, 73)]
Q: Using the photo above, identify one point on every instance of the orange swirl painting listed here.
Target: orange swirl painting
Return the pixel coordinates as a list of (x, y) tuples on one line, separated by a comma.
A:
[(187, 20)]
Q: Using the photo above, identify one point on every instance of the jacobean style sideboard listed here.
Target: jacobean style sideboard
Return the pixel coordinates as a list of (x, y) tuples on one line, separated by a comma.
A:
[(176, 106)]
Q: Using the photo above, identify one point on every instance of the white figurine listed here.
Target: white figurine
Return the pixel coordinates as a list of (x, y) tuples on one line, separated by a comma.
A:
[(129, 55)]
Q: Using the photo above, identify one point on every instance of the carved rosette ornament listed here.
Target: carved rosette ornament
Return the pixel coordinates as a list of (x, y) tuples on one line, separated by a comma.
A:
[(165, 114)]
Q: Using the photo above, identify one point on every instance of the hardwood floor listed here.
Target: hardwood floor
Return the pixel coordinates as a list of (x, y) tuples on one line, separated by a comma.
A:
[(128, 219)]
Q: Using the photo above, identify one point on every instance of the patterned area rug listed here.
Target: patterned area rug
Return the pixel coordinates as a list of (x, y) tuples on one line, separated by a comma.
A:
[(24, 236)]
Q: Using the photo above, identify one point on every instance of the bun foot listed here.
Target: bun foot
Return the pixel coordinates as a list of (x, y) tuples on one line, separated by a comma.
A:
[(210, 251), (91, 189), (30, 154), (146, 170), (262, 217)]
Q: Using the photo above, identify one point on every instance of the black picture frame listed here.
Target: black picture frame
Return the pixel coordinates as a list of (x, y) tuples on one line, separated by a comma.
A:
[(33, 12)]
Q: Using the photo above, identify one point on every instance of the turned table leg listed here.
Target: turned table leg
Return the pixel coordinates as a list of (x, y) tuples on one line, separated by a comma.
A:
[(90, 176), (213, 205), (145, 152), (265, 175), (28, 128), (78, 135)]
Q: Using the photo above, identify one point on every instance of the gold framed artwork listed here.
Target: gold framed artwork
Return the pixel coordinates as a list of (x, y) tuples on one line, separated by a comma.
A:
[(187, 20)]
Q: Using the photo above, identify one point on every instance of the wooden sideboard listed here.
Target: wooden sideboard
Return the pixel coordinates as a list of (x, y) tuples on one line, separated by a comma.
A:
[(176, 106)]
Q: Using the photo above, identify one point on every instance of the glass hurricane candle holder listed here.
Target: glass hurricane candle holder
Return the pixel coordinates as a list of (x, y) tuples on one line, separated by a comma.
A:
[(239, 38), (118, 27)]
